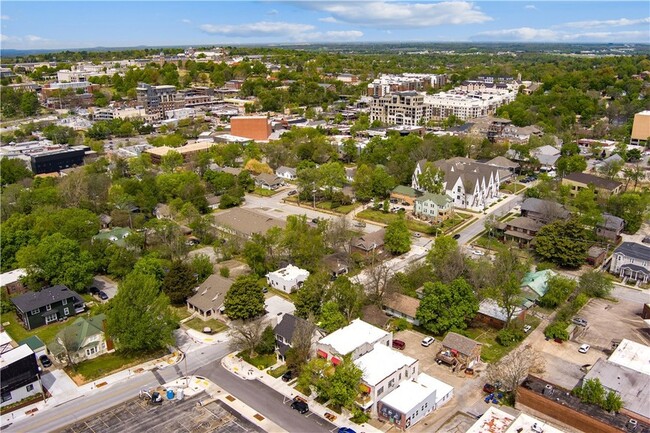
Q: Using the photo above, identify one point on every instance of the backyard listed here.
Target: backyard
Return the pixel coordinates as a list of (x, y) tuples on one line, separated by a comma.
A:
[(513, 188), (387, 218), (46, 333)]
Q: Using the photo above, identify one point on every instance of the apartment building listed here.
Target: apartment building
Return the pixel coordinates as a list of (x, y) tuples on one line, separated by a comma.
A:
[(156, 100), (468, 104), (400, 108), (389, 83)]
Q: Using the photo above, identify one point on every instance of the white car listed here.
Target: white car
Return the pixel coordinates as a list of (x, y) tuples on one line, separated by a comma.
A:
[(428, 341), (478, 253), (527, 328), (584, 348)]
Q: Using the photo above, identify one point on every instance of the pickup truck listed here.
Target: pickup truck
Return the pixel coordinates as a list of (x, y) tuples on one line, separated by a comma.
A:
[(446, 358)]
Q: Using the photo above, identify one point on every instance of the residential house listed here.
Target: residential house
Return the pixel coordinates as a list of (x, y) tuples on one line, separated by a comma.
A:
[(433, 207), (287, 279), (383, 370), (209, 296), (105, 221), (245, 222), (547, 157), (355, 339), (369, 243), (375, 316), (521, 229), (596, 256), (19, 375), (404, 194), (115, 235), (543, 211), (470, 184), (535, 284), (610, 227), (507, 168), (36, 344), (288, 173), (82, 340), (579, 181), (269, 181), (492, 315), (336, 263), (466, 350), (402, 306), (162, 211), (48, 305), (631, 261), (285, 331), (350, 173), (12, 281), (413, 400)]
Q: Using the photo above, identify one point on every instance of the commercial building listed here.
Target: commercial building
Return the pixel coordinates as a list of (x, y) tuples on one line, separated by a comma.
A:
[(252, 127), (51, 161), (389, 83), (641, 128), (156, 100), (288, 279), (356, 339), (187, 152), (496, 420), (400, 108), (19, 375)]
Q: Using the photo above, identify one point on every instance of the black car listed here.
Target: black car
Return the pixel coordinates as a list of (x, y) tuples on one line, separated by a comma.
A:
[(293, 192), (93, 290), (45, 361), (102, 295), (456, 236), (300, 406), (286, 377)]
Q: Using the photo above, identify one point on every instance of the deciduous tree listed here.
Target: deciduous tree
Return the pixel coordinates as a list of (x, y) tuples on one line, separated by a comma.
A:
[(447, 306), (245, 299), (397, 239)]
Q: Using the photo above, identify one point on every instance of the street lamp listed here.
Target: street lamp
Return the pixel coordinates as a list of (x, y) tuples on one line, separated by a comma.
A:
[(313, 193)]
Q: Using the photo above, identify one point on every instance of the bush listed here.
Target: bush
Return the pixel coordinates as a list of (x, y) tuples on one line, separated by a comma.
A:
[(545, 265), (359, 416), (557, 330), (401, 324), (509, 336), (224, 271), (579, 302)]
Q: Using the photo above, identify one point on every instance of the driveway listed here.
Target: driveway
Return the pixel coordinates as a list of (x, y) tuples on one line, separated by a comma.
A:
[(105, 284)]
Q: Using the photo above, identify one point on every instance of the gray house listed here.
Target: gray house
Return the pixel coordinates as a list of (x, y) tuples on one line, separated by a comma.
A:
[(611, 227), (48, 305), (631, 260)]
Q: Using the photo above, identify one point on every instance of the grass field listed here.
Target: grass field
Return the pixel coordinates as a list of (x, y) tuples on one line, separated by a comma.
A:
[(46, 333), (265, 192), (198, 324), (261, 361), (387, 218), (112, 362), (491, 351), (345, 209), (513, 188)]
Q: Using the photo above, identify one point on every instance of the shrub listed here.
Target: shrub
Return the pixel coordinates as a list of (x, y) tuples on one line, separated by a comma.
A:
[(509, 336), (401, 324), (579, 302), (557, 330), (359, 416), (224, 271), (545, 265)]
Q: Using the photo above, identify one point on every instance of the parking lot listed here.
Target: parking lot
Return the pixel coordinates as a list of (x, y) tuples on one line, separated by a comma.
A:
[(170, 417)]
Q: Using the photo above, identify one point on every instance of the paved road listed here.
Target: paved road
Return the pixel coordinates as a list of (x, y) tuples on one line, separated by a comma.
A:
[(632, 295), (471, 231)]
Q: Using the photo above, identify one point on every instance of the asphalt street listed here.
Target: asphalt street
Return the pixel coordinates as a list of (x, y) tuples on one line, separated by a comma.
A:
[(471, 231)]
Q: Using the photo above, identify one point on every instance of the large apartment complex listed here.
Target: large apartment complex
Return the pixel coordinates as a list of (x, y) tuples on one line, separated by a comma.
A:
[(388, 83), (156, 100)]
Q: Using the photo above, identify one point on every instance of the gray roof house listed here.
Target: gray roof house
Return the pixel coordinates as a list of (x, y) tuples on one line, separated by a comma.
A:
[(209, 296), (631, 261), (285, 330), (466, 349), (369, 242), (269, 181), (245, 222), (48, 305), (610, 227), (543, 211), (286, 172)]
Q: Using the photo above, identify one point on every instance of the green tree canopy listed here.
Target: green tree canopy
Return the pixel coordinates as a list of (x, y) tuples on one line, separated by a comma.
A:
[(563, 242), (178, 283), (595, 284), (245, 299), (559, 289), (12, 171), (447, 306), (397, 239)]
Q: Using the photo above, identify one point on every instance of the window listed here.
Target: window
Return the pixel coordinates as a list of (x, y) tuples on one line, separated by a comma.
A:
[(66, 311), (391, 383), (380, 391), (29, 387), (64, 302), (50, 318), (91, 351), (48, 307), (6, 396), (36, 311)]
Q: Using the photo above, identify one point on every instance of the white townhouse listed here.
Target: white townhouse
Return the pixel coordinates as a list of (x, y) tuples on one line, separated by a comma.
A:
[(632, 261), (287, 279), (356, 339), (471, 185)]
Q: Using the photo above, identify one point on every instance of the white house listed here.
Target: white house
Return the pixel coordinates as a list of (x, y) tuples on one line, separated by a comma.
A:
[(287, 279), (631, 260), (413, 400), (356, 339), (470, 184), (288, 173), (433, 207), (383, 370)]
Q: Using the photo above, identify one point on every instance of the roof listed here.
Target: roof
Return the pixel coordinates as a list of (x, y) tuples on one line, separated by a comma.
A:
[(598, 182), (12, 276), (405, 190), (404, 304), (538, 281), (246, 221), (287, 326), (349, 338), (494, 420), (115, 235), (33, 300), (412, 393), (462, 344), (33, 342), (489, 307), (289, 273), (545, 150), (611, 222), (441, 200), (211, 293), (269, 179), (526, 423), (370, 241), (13, 355), (632, 355), (381, 362), (633, 386), (544, 207), (633, 249), (374, 315), (78, 332), (501, 161), (284, 169), (525, 223)]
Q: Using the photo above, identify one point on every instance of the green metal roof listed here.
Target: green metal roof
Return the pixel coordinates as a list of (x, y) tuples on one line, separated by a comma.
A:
[(405, 190), (33, 342), (79, 331), (440, 200), (538, 281)]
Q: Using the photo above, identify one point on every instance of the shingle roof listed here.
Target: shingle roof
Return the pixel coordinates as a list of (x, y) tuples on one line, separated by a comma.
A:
[(246, 221), (405, 190), (598, 182), (33, 300), (284, 169), (440, 200), (632, 249), (462, 344), (33, 342), (525, 223), (611, 222), (211, 293), (370, 241), (404, 304), (269, 179), (501, 161)]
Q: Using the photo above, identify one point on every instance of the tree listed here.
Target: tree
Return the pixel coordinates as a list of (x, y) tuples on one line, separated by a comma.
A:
[(563, 242), (309, 297), (12, 171), (348, 296), (447, 260), (571, 164), (631, 207), (363, 183), (559, 289), (303, 243), (591, 392), (447, 306), (202, 267), (431, 179), (331, 317), (343, 387), (595, 284), (515, 367), (171, 161), (266, 346), (139, 317), (256, 167), (613, 401), (245, 299), (301, 343), (505, 289), (397, 239), (178, 283), (246, 336), (378, 282)]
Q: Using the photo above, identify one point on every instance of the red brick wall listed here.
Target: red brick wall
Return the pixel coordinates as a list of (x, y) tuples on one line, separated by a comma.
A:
[(253, 128)]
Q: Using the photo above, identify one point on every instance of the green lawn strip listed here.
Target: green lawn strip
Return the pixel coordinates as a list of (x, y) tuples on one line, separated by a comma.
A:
[(387, 218), (277, 372), (491, 350), (198, 324), (181, 312), (260, 361), (106, 364), (46, 333), (265, 192), (344, 209)]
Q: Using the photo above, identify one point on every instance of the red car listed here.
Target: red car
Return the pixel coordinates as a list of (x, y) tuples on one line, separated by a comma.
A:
[(488, 388)]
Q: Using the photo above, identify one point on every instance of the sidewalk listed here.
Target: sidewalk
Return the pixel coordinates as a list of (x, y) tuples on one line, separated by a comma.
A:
[(246, 371)]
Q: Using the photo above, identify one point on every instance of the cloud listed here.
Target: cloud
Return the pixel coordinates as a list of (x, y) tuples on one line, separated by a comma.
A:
[(621, 22), (331, 36), (34, 38), (273, 12), (258, 29), (4, 17), (186, 21), (31, 41), (531, 7), (328, 20), (527, 34), (384, 14)]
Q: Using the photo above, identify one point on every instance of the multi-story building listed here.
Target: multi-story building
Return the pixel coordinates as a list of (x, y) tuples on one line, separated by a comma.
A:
[(19, 375), (48, 305), (641, 128), (400, 108), (603, 187), (156, 100), (356, 339), (253, 127), (287, 279), (468, 104), (631, 260), (433, 207), (388, 83)]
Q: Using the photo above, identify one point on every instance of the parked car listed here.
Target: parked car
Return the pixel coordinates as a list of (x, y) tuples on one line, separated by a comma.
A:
[(93, 290), (579, 321), (488, 388), (428, 341), (527, 328), (478, 253), (646, 240), (399, 344), (300, 406), (346, 430), (584, 348), (45, 361), (102, 295), (359, 224), (394, 200), (456, 236), (293, 192), (286, 377)]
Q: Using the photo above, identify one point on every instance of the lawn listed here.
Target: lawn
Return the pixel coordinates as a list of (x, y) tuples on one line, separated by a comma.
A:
[(198, 324), (112, 362), (490, 243), (387, 218), (511, 188), (46, 333), (345, 209), (260, 361), (277, 372), (491, 351), (181, 312), (451, 223), (265, 192)]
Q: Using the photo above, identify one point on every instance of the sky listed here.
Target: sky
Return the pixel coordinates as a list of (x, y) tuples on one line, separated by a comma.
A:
[(87, 24)]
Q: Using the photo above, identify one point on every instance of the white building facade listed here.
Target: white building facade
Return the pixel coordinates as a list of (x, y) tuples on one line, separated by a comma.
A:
[(288, 279)]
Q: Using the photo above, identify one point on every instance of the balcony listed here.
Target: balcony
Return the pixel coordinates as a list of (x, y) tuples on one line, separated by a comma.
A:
[(79, 308), (364, 401)]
